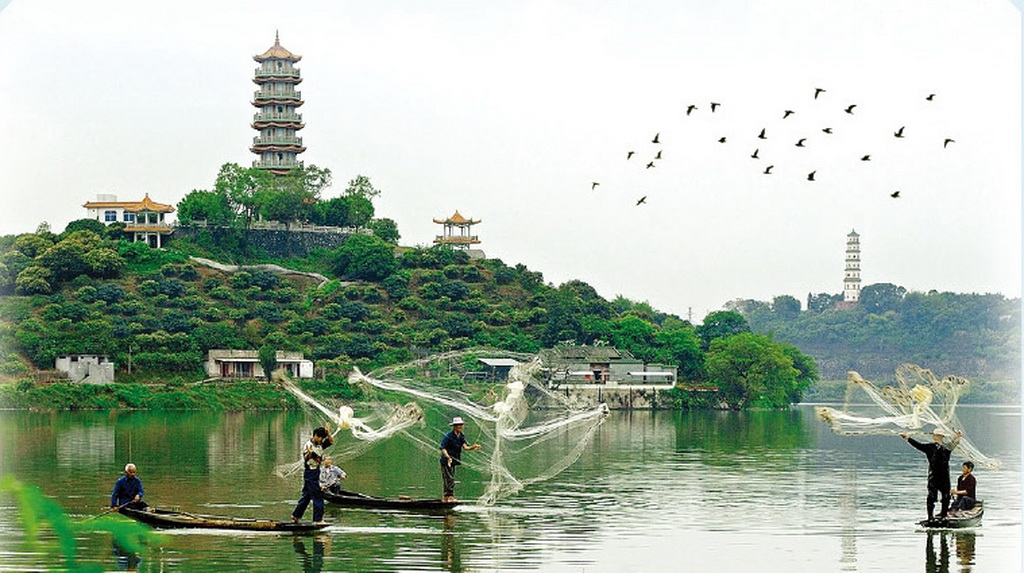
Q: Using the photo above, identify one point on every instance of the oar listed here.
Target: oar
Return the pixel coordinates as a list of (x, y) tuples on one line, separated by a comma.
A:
[(106, 511)]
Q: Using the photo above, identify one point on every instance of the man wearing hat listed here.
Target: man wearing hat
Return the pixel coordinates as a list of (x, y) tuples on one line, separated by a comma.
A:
[(452, 445), (938, 467)]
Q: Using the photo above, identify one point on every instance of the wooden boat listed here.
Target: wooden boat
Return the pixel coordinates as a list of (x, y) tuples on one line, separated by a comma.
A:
[(959, 520), (169, 518), (353, 499)]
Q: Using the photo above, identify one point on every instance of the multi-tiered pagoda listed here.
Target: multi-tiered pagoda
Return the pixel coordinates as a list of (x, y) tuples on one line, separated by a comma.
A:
[(277, 146)]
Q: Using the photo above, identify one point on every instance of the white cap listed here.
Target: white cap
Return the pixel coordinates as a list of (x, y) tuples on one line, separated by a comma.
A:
[(456, 421)]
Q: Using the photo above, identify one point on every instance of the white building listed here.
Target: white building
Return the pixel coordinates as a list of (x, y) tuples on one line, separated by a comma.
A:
[(246, 364), (87, 368), (145, 220)]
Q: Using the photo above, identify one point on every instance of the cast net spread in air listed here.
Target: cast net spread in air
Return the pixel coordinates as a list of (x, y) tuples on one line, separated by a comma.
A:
[(511, 456), (918, 403)]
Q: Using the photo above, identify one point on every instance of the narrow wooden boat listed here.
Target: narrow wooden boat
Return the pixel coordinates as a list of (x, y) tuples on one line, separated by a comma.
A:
[(959, 520), (169, 518), (353, 499)]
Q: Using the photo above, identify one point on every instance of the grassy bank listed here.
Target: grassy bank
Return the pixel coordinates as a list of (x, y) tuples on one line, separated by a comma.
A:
[(175, 395)]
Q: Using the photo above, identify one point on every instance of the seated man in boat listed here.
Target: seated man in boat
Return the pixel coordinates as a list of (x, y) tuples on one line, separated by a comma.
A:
[(128, 490), (965, 490), (331, 476)]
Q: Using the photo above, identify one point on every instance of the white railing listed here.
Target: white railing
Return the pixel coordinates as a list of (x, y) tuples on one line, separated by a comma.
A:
[(293, 117)]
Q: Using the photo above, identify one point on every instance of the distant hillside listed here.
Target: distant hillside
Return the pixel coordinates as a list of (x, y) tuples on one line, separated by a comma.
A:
[(972, 335)]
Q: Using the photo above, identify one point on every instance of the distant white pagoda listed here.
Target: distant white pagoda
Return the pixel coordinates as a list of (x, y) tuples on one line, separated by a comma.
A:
[(851, 282), (277, 146)]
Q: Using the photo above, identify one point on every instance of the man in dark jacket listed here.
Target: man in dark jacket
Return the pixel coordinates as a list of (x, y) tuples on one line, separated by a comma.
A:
[(938, 468), (966, 489), (128, 490)]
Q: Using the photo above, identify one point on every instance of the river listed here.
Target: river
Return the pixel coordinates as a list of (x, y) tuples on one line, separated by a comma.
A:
[(654, 491)]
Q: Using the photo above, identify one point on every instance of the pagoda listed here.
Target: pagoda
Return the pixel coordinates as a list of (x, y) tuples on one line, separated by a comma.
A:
[(277, 146), (457, 232), (851, 282)]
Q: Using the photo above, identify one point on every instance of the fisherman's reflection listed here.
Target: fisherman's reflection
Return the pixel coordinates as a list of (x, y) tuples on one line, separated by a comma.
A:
[(936, 563), (311, 563), (965, 550), (450, 553), (127, 560)]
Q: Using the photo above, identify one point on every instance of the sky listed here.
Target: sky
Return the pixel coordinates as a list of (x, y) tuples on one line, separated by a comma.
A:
[(509, 112)]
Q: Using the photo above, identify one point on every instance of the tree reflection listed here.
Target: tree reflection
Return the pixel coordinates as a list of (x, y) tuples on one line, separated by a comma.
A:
[(732, 431)]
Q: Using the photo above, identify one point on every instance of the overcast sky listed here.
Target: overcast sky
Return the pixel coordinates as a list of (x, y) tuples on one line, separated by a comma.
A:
[(509, 111)]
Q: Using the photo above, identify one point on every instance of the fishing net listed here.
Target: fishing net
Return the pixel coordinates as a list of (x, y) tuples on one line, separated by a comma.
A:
[(918, 400), (396, 419), (500, 411)]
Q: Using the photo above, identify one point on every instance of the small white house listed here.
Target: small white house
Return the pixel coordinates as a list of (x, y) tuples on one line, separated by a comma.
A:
[(86, 368), (246, 364)]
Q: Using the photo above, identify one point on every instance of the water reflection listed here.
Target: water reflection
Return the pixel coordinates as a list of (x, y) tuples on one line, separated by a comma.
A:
[(312, 562), (937, 560), (126, 560), (451, 556), (729, 431)]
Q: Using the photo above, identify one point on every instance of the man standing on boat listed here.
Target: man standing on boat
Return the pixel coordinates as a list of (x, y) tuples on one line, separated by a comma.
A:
[(938, 468), (452, 445), (128, 490), (312, 457)]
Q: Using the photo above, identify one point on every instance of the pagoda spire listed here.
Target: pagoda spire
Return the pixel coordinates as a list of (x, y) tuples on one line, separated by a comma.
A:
[(277, 146)]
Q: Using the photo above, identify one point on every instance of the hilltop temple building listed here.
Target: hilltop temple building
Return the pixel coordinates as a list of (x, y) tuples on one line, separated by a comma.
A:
[(144, 220), (457, 232), (277, 146)]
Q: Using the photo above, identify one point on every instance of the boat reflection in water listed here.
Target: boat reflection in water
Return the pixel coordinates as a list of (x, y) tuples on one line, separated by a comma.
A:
[(938, 562)]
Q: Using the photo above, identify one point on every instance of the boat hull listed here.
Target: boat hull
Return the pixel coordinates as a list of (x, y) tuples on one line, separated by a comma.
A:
[(172, 519), (353, 499), (962, 519)]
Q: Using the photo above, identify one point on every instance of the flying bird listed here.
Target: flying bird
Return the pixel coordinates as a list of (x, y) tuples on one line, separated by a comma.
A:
[(768, 170), (755, 153), (817, 91), (594, 185), (787, 113), (721, 140), (866, 158), (810, 176), (649, 165), (690, 108), (762, 135), (658, 156), (629, 154), (642, 200), (899, 133), (713, 106), (849, 110), (801, 142), (895, 194), (655, 140), (930, 97), (827, 129), (947, 142)]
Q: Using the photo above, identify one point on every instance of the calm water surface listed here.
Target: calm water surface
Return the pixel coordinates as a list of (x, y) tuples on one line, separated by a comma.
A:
[(655, 491)]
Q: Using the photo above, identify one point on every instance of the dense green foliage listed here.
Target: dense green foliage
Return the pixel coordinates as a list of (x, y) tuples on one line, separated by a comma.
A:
[(972, 335)]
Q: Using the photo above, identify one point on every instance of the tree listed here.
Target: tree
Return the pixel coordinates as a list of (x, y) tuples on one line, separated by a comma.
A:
[(818, 303), (333, 212), (85, 224), (360, 211), (104, 263), (31, 245), (720, 324), (361, 187), (34, 280), (682, 347), (386, 229), (808, 372), (750, 369), (214, 207), (786, 307), (242, 187), (364, 257), (267, 356), (881, 297)]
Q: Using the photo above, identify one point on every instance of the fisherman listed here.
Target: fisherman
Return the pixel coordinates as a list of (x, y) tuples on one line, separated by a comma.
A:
[(312, 457), (128, 490), (331, 476), (966, 489), (452, 445), (938, 467)]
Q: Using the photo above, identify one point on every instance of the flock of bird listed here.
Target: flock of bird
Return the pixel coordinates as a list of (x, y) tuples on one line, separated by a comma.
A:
[(763, 136)]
